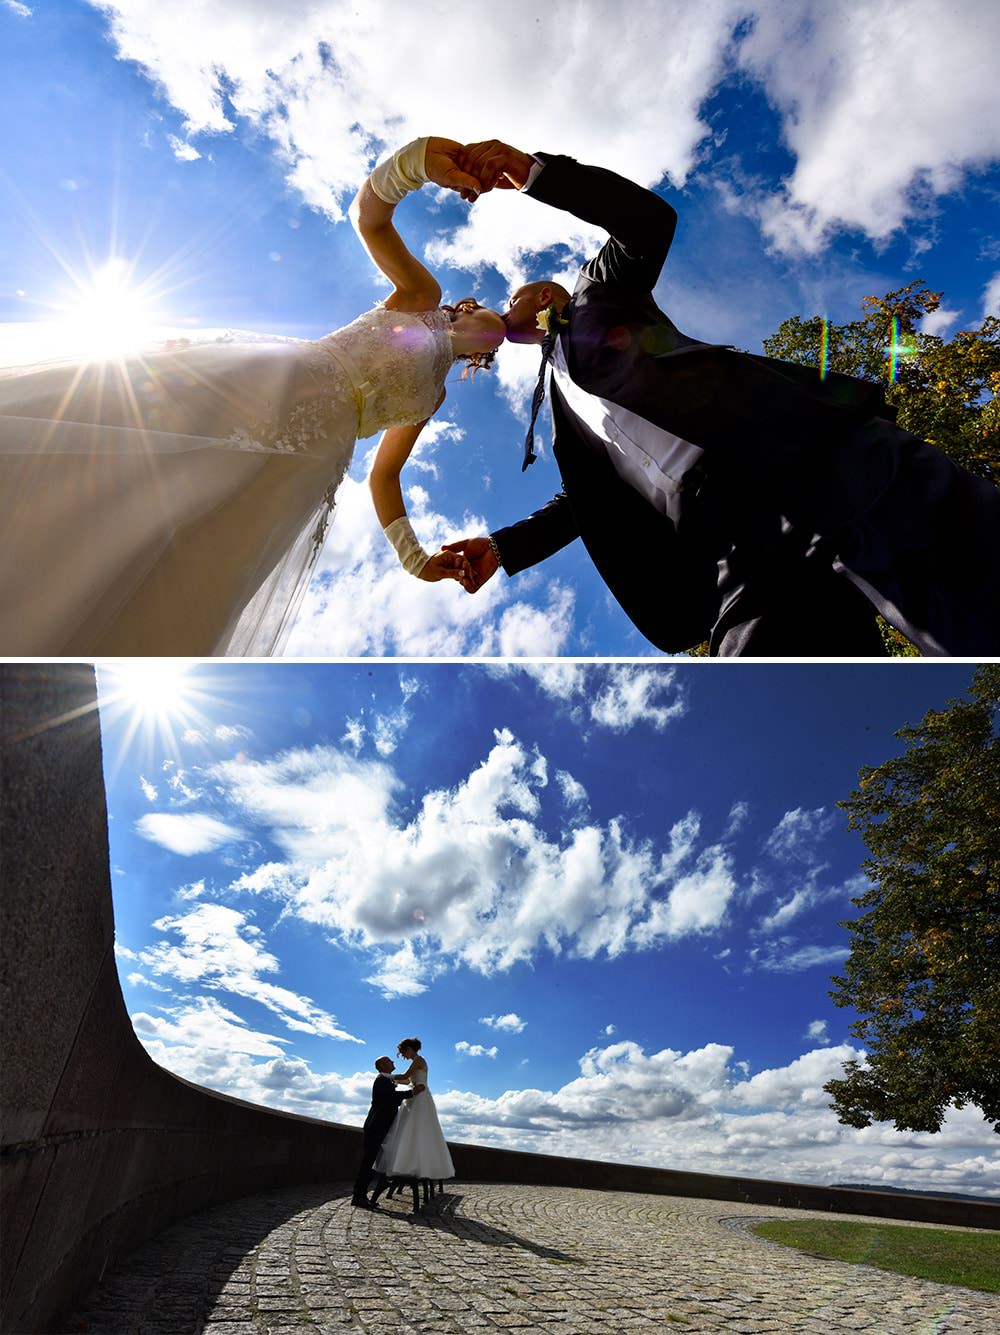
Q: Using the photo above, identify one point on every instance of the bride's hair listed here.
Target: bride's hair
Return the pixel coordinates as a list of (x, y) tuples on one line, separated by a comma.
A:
[(412, 1043), (476, 361)]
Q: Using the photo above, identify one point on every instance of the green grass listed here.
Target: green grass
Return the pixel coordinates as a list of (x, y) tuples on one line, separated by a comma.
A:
[(970, 1259)]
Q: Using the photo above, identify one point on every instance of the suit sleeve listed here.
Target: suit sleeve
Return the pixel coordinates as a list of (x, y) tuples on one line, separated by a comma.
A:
[(641, 225), (538, 537)]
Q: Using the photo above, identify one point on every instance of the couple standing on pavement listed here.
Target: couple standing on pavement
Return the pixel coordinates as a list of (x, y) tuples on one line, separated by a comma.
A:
[(402, 1134)]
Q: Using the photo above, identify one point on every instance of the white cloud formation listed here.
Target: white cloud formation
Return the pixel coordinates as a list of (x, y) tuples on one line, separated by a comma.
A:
[(574, 793), (185, 152), (15, 7), (991, 297), (875, 124), (205, 1025), (816, 1032), (219, 948), (939, 322), (797, 834), (187, 833), (232, 732), (616, 696), (468, 874), (474, 1049), (781, 957), (510, 1023), (148, 789)]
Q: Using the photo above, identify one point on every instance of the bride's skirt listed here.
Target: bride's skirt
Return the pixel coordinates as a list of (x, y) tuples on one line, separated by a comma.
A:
[(171, 504), (415, 1145)]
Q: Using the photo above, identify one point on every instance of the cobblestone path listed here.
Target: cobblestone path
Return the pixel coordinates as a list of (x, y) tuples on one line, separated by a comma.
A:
[(303, 1261)]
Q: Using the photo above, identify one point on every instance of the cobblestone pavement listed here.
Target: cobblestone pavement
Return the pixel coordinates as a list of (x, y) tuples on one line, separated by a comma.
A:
[(304, 1261)]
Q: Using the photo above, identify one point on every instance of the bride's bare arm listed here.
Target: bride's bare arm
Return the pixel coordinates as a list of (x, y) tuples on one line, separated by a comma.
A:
[(415, 287), (394, 448)]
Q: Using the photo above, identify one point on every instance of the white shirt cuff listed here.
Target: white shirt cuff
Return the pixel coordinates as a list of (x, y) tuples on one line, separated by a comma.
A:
[(533, 175)]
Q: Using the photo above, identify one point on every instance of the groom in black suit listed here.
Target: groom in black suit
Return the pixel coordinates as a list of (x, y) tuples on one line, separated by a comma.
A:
[(723, 495), (386, 1100)]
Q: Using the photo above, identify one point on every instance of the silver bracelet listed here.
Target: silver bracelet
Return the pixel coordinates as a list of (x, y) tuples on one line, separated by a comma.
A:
[(495, 549)]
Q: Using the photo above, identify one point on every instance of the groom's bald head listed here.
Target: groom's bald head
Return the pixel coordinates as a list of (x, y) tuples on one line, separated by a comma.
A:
[(521, 318)]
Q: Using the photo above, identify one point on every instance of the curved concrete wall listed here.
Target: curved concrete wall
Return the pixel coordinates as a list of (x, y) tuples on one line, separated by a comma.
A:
[(101, 1147)]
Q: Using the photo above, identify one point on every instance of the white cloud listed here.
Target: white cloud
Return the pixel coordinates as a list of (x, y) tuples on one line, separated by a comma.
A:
[(991, 297), (467, 874), (510, 1023), (140, 980), (193, 737), (232, 732), (219, 948), (616, 696), (876, 123), (816, 1032), (474, 1049), (939, 322), (609, 1029), (797, 834), (574, 793), (148, 790), (205, 1024), (187, 834), (779, 957), (15, 7), (182, 150)]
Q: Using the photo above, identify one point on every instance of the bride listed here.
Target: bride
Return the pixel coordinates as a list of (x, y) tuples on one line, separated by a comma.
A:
[(415, 1146), (175, 502)]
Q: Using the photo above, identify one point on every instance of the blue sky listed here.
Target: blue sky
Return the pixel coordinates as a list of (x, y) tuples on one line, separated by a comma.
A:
[(605, 896), (814, 153)]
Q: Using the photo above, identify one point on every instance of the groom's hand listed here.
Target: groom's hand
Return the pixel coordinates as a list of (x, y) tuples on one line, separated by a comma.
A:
[(480, 558), (496, 164), (442, 164)]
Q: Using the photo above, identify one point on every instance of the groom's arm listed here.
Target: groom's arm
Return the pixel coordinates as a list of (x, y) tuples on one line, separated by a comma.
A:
[(537, 537), (641, 224)]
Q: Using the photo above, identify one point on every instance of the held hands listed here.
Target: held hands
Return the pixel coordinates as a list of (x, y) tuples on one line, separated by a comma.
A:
[(443, 165), (495, 164), (479, 559), (418, 1089), (448, 564)]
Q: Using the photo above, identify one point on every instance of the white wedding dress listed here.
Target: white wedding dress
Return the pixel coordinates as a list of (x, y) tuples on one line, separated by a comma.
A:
[(175, 502), (415, 1145)]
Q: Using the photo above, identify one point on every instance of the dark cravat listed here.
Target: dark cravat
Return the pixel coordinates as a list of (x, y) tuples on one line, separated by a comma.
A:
[(548, 344)]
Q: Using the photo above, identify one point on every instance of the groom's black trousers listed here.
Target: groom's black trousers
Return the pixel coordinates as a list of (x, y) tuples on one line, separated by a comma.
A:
[(369, 1153)]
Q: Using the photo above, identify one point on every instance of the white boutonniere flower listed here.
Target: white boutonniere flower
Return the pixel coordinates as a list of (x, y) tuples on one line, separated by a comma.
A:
[(550, 320)]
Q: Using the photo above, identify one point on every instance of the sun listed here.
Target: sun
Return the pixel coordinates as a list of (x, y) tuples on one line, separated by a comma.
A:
[(110, 313), (158, 701)]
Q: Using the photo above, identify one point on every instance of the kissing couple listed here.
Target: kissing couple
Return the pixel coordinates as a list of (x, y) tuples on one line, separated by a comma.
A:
[(176, 502), (402, 1134)]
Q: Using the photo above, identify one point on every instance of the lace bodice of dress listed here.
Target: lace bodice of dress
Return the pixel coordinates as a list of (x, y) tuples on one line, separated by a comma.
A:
[(397, 362)]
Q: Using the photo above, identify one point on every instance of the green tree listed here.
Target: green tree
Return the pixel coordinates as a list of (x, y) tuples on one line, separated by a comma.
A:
[(924, 967)]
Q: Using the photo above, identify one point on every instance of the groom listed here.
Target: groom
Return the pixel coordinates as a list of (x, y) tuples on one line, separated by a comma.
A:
[(723, 495), (386, 1101)]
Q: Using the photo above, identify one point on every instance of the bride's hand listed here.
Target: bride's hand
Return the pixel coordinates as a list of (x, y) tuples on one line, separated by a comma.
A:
[(441, 164), (447, 565)]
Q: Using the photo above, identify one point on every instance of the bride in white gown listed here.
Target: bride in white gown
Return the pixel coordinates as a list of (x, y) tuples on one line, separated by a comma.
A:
[(175, 502), (415, 1146)]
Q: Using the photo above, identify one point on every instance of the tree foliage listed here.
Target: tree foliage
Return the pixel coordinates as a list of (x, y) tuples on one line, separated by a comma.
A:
[(924, 967)]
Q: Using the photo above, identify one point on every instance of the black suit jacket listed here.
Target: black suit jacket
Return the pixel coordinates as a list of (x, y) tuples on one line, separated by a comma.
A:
[(386, 1099), (769, 429)]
